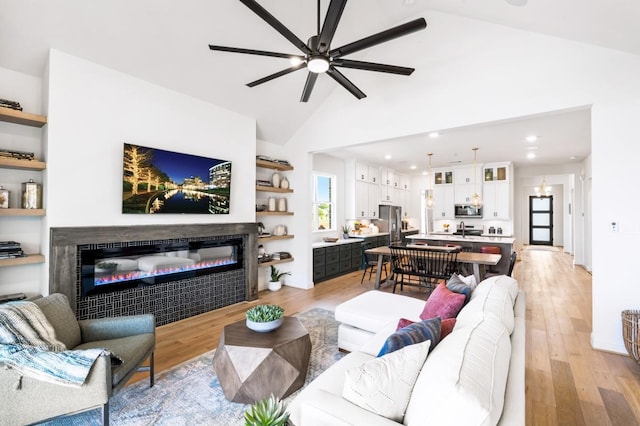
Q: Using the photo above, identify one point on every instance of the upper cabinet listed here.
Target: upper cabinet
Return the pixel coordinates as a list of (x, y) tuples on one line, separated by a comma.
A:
[(443, 176), (468, 174), (497, 172), (387, 177), (498, 191)]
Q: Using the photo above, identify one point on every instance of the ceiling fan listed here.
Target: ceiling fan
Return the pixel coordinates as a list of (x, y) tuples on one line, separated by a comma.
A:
[(318, 57)]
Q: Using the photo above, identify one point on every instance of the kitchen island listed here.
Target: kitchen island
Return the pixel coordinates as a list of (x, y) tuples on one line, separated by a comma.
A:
[(471, 243)]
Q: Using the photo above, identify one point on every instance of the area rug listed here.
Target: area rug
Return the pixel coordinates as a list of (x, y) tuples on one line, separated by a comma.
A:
[(190, 394)]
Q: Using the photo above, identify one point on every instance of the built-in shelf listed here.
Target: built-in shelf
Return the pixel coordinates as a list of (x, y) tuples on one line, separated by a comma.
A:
[(22, 212), (16, 163), (275, 237), (30, 258), (274, 213), (18, 117), (275, 262), (273, 165), (272, 189)]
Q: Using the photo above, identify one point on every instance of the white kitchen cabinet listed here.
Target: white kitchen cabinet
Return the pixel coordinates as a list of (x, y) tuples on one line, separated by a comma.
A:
[(443, 202), (496, 172), (374, 201), (464, 193), (374, 173), (497, 201), (362, 199), (442, 176), (362, 172), (386, 177), (468, 174), (386, 194)]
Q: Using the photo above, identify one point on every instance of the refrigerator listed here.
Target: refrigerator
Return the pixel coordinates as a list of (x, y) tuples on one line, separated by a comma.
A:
[(390, 220)]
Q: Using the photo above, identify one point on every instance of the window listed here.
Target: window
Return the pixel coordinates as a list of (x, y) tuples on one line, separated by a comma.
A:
[(323, 207)]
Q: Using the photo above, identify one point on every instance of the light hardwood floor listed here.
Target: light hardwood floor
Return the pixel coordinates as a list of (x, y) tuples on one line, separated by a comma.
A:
[(567, 382)]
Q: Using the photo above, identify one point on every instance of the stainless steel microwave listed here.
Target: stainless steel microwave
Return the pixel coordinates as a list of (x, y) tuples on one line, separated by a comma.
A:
[(466, 210)]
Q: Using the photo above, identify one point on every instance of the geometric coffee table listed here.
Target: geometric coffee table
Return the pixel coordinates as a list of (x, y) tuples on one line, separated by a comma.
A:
[(251, 365)]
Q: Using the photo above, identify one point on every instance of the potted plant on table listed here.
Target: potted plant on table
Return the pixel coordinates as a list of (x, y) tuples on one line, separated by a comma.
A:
[(263, 318), (345, 231), (266, 412), (275, 282)]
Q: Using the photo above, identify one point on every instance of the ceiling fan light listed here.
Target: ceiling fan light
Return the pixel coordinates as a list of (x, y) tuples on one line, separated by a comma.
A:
[(318, 64)]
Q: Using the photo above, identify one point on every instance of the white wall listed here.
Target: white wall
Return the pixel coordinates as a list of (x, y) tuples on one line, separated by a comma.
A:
[(472, 72), (92, 111)]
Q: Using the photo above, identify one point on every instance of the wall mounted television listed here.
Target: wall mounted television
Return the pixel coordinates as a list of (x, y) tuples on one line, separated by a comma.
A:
[(156, 181)]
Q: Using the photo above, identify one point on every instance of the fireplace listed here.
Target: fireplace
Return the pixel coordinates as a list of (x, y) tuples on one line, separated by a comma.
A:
[(172, 271)]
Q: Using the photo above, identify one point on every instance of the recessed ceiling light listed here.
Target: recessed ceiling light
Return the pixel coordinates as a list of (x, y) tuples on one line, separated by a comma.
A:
[(387, 157), (413, 167), (425, 173), (531, 138), (434, 135), (531, 155)]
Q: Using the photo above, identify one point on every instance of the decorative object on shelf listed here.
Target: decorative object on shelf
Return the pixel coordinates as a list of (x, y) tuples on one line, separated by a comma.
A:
[(345, 231), (284, 183), (280, 230), (10, 104), (267, 412), (282, 204), (264, 318), (271, 204), (446, 227), (31, 195), (10, 250), (476, 201), (275, 278), (20, 155), (275, 180), (260, 226), (543, 189), (4, 198), (261, 207), (329, 239)]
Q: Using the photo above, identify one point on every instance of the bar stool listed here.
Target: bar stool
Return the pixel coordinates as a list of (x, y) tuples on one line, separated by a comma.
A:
[(491, 250)]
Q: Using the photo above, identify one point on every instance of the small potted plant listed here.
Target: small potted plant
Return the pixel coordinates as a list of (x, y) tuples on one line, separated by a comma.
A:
[(275, 280), (263, 318), (266, 412), (345, 231)]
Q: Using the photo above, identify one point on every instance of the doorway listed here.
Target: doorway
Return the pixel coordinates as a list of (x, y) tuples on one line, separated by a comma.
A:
[(541, 220)]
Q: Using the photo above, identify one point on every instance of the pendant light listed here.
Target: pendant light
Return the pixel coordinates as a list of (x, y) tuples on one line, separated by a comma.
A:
[(429, 189), (476, 201), (543, 189)]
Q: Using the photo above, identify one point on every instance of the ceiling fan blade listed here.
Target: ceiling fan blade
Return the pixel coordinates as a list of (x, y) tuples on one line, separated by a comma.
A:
[(372, 66), (308, 86), (381, 37), (277, 25), (276, 75), (334, 12), (344, 82), (254, 52)]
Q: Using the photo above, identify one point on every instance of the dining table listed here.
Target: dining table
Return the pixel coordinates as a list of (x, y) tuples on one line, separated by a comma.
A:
[(479, 261)]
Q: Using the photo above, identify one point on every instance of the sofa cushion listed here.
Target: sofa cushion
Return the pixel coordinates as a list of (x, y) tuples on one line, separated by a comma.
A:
[(469, 280), (464, 378), (58, 311), (384, 385), (413, 333), (456, 285), (442, 303), (372, 310), (446, 326), (492, 300), (503, 281)]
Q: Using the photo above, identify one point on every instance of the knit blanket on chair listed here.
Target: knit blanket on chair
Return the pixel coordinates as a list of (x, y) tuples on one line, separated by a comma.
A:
[(28, 343)]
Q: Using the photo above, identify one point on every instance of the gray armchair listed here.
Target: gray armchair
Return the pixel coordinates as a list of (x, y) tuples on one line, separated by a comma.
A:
[(132, 338)]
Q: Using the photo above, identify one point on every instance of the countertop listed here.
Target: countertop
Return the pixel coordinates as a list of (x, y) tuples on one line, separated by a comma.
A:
[(486, 238), (340, 241)]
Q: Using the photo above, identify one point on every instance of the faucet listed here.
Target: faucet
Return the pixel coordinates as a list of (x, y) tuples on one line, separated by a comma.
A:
[(461, 227)]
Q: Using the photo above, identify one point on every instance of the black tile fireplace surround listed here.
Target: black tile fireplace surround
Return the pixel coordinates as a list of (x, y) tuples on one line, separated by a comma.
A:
[(168, 301)]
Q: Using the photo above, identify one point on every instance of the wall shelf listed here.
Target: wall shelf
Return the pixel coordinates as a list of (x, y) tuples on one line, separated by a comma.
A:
[(273, 165), (275, 262), (18, 117), (22, 212), (28, 259), (272, 189), (274, 213), (15, 163), (274, 237)]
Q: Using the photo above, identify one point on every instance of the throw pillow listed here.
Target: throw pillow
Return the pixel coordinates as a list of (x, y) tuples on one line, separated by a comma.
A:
[(446, 327), (456, 285), (413, 333), (442, 303), (384, 385), (469, 280)]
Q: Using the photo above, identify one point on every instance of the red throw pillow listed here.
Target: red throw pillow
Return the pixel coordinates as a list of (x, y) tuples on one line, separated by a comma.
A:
[(446, 326), (442, 303)]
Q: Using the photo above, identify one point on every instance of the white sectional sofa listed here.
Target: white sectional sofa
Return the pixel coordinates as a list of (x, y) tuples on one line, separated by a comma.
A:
[(474, 376)]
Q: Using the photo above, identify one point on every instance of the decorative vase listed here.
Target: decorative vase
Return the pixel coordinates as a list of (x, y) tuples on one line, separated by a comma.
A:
[(275, 285), (282, 204), (271, 206), (264, 327), (275, 180), (284, 183)]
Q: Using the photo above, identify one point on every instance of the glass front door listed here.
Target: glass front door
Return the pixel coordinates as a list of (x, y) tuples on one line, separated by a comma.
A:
[(541, 220)]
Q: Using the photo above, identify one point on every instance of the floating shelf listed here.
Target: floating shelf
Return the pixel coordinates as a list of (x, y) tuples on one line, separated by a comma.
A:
[(22, 212), (273, 165), (274, 213), (272, 189), (275, 237), (18, 117), (28, 259), (15, 163), (275, 262)]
